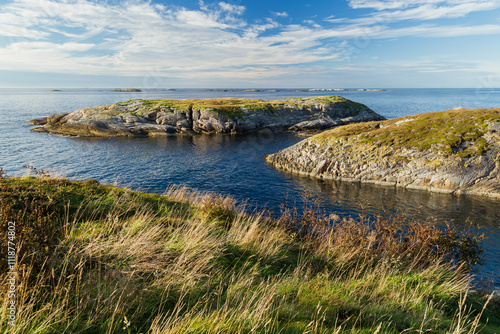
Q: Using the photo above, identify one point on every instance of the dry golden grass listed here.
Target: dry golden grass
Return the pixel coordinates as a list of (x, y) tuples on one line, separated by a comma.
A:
[(189, 262)]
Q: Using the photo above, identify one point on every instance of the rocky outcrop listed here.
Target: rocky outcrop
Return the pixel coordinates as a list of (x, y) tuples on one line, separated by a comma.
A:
[(456, 151), (169, 117), (127, 90)]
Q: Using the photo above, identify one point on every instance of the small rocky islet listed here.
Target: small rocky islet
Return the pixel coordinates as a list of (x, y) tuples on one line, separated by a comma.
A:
[(455, 151), (228, 115), (127, 90)]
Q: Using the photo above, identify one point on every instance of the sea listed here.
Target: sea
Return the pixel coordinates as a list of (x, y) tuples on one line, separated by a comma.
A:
[(234, 165)]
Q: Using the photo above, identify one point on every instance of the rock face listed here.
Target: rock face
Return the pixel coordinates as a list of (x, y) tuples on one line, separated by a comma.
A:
[(455, 151), (168, 117)]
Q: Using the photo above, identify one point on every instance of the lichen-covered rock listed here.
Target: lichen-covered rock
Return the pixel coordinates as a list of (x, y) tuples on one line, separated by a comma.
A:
[(455, 151), (167, 117)]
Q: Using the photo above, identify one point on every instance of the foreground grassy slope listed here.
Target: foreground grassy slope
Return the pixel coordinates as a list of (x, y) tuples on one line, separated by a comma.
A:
[(101, 259)]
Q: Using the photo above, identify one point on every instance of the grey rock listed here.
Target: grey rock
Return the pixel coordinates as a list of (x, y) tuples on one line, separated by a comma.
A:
[(317, 124), (150, 115)]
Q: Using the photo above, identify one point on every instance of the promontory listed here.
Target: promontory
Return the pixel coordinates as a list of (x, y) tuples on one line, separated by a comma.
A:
[(455, 151), (228, 115)]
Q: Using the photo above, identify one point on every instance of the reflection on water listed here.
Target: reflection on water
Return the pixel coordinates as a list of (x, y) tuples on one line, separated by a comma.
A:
[(474, 213), (229, 164)]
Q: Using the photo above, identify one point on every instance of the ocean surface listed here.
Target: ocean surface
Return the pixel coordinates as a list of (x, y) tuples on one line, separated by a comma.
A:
[(234, 164)]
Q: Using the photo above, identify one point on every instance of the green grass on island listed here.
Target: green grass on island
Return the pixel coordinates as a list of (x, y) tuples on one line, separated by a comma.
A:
[(235, 107), (95, 258), (444, 132)]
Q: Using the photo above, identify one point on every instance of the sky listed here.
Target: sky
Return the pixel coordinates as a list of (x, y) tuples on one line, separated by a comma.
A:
[(250, 44)]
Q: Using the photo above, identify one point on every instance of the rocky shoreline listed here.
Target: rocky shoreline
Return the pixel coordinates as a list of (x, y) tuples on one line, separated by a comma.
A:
[(169, 117), (455, 151)]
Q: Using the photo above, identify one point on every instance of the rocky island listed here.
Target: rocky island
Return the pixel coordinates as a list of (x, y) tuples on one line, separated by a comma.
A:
[(127, 90), (455, 151), (169, 117)]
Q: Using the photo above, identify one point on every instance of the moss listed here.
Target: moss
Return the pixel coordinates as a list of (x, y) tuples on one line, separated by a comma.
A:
[(327, 99), (169, 104), (265, 107), (133, 113), (449, 132), (234, 107)]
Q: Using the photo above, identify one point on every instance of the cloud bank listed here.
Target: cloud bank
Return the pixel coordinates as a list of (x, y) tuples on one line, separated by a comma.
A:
[(137, 38)]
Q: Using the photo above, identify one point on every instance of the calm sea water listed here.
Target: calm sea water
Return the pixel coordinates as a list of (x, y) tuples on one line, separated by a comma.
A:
[(234, 164)]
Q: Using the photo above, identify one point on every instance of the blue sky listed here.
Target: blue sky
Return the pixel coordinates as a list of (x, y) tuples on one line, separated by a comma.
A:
[(243, 43)]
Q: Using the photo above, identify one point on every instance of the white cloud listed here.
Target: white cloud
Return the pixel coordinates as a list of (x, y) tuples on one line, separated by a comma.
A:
[(233, 9), (255, 30), (444, 31), (394, 11), (133, 38), (401, 4), (66, 47), (312, 23), (16, 31), (280, 14), (14, 25), (197, 18), (52, 57), (389, 4)]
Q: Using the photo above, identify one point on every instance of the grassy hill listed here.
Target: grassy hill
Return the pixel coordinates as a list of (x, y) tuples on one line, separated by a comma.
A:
[(459, 131), (95, 258)]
